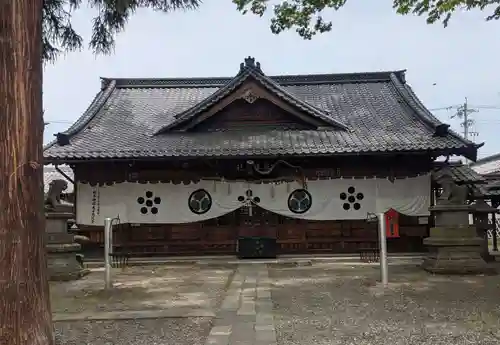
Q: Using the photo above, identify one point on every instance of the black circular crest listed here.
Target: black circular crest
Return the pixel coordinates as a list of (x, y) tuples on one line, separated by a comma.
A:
[(352, 199), (299, 201), (200, 201), (147, 203)]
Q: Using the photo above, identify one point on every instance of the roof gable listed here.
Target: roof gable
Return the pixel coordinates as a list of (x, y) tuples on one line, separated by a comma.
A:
[(251, 84), (242, 115)]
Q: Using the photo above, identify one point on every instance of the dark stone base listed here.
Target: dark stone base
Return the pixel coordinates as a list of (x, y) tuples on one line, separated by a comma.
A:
[(63, 264), (457, 261), (487, 256), (455, 250)]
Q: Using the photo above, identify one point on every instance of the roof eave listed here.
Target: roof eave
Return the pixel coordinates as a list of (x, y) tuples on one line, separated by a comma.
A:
[(430, 152), (440, 129), (107, 87)]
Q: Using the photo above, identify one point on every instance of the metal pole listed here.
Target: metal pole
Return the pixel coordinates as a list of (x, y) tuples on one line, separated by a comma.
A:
[(107, 258), (384, 270), (111, 238), (494, 233), (494, 225), (466, 120)]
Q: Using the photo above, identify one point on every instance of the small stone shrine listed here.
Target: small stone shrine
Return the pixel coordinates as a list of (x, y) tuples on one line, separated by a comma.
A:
[(63, 263), (454, 246)]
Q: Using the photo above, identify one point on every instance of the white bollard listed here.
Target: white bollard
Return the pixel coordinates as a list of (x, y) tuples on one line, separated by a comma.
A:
[(107, 251), (384, 269)]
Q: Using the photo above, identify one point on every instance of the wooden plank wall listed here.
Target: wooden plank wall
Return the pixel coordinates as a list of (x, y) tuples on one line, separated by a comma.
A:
[(293, 236)]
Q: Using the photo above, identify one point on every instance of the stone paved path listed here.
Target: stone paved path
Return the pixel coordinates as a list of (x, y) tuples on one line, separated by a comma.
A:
[(246, 314)]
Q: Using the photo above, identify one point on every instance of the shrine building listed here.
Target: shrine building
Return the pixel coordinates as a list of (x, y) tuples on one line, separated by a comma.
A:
[(299, 163)]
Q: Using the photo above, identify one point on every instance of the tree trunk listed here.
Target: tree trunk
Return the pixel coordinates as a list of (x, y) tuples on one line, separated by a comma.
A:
[(25, 316)]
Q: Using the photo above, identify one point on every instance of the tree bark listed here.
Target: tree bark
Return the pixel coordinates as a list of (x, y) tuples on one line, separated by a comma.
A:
[(25, 316)]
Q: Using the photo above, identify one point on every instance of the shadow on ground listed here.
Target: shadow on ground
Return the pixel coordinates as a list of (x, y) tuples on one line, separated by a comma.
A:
[(143, 288)]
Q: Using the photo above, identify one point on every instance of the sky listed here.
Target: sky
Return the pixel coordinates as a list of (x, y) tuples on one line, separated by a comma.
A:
[(444, 65)]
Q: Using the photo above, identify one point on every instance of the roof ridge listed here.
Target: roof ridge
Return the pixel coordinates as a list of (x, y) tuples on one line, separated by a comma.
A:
[(414, 103), (215, 97), (421, 111), (298, 102), (426, 116), (285, 79)]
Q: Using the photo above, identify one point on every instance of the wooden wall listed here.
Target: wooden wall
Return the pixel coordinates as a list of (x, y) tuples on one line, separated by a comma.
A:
[(218, 236), (240, 115), (186, 170)]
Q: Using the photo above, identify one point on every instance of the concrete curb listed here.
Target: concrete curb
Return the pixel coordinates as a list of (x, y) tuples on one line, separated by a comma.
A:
[(131, 315), (299, 261)]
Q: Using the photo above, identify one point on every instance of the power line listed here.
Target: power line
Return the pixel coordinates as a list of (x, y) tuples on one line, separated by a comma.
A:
[(445, 108), (473, 106), (57, 121), (463, 112), (486, 107)]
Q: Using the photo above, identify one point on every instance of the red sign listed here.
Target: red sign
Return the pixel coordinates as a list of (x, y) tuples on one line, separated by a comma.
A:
[(392, 224)]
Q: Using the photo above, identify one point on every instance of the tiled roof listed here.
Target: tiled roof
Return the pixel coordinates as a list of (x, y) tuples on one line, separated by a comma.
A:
[(461, 173), (369, 113), (487, 165), (50, 174), (489, 190), (464, 174)]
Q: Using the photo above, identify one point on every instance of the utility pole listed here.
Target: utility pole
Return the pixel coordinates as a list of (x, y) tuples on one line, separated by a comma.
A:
[(466, 119), (463, 112)]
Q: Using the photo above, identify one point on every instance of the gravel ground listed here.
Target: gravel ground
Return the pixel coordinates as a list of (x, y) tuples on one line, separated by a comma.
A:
[(325, 304), (144, 288), (176, 331)]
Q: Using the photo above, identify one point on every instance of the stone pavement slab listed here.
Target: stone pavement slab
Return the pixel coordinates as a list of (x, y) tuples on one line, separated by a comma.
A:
[(245, 314)]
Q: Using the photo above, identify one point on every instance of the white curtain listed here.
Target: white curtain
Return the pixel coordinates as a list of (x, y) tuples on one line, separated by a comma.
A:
[(327, 198), (411, 196), (162, 202), (335, 199)]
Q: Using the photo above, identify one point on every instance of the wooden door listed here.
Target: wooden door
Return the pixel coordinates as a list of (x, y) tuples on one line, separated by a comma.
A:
[(256, 222)]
